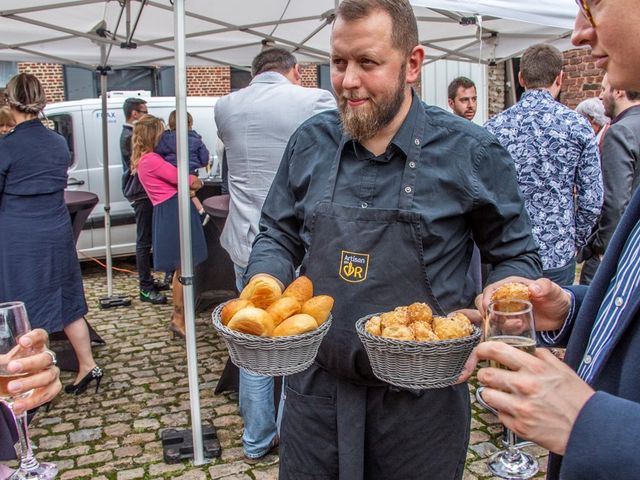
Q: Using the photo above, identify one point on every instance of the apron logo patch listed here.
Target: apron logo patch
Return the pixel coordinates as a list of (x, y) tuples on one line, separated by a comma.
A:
[(354, 266)]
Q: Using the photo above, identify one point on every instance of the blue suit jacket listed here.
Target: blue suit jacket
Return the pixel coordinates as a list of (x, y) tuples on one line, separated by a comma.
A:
[(604, 441)]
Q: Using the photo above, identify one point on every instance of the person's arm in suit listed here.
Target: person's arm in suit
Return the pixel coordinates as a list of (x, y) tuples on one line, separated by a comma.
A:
[(618, 167)]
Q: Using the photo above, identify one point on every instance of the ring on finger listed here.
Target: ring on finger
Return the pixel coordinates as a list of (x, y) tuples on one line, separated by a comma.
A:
[(54, 360)]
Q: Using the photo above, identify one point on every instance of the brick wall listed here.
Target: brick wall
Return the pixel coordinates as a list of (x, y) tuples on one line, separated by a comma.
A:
[(51, 77), (496, 80), (581, 77), (309, 75), (208, 81)]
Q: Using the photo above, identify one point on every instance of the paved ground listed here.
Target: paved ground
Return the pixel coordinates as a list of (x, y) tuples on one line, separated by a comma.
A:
[(115, 434)]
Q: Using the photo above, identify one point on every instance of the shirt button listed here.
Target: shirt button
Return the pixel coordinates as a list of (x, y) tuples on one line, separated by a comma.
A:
[(364, 204), (587, 359), (618, 301), (412, 164), (407, 189), (417, 141)]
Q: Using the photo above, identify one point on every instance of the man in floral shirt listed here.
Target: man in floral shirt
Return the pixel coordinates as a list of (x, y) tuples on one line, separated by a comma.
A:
[(557, 162)]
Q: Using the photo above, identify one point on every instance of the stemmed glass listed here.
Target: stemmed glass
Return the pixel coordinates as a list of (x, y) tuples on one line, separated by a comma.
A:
[(14, 323), (510, 322)]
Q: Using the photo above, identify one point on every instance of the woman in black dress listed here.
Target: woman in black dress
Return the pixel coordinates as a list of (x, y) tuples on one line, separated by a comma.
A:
[(38, 262)]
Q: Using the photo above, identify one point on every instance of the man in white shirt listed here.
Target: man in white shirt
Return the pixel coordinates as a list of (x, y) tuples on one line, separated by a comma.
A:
[(255, 124)]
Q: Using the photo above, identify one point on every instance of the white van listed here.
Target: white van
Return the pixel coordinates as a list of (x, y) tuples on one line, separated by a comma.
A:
[(80, 122)]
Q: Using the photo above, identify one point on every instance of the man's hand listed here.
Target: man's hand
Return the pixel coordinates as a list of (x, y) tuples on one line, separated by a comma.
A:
[(550, 302), (41, 375), (538, 398)]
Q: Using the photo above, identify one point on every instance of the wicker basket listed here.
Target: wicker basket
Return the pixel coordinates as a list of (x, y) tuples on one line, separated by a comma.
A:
[(416, 365), (271, 356)]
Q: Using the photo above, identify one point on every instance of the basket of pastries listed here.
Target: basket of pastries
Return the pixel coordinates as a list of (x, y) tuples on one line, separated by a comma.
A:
[(273, 332), (411, 348)]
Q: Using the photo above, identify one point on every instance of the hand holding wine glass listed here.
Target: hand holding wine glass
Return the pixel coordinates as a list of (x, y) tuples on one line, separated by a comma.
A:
[(23, 372), (510, 322)]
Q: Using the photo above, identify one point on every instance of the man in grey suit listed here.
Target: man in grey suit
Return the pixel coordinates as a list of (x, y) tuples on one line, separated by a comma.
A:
[(620, 170), (255, 124)]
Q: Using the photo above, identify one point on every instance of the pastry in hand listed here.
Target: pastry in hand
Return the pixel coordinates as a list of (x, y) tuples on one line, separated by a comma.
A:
[(262, 291), (419, 312), (510, 291), (372, 326), (454, 326), (423, 332), (232, 307), (398, 332), (283, 308), (252, 320), (296, 325), (318, 307), (301, 289)]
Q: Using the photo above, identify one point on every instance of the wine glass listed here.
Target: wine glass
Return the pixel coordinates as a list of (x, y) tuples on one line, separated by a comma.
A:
[(510, 322), (13, 325)]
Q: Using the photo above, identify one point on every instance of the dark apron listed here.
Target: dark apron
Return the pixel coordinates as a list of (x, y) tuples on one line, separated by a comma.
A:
[(340, 422)]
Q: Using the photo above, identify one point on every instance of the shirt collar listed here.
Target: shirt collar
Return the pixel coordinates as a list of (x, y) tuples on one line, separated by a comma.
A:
[(269, 77), (624, 113), (538, 92), (401, 141)]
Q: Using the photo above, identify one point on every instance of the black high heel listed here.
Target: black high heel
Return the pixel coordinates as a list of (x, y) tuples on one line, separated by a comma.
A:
[(95, 374)]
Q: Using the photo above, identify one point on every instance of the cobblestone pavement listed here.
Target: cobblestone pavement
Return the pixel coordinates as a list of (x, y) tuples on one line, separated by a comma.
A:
[(115, 434)]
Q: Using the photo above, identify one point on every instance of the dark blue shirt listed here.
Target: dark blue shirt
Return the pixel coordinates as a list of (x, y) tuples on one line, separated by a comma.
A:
[(466, 187)]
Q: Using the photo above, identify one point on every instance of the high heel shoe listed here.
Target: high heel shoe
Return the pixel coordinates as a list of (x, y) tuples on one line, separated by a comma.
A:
[(175, 331), (79, 388)]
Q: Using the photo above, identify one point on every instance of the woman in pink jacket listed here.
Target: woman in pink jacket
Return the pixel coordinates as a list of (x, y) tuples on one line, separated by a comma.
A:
[(160, 179)]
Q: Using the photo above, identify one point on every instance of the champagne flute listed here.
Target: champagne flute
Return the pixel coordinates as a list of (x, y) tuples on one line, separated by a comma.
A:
[(510, 322), (14, 323)]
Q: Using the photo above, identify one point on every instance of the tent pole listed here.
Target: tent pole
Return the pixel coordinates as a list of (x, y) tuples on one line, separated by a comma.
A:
[(184, 205), (110, 300)]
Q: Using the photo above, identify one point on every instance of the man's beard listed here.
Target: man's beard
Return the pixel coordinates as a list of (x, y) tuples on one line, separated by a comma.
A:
[(364, 123)]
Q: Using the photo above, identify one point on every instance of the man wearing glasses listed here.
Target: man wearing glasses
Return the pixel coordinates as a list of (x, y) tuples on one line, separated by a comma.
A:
[(134, 108), (587, 411)]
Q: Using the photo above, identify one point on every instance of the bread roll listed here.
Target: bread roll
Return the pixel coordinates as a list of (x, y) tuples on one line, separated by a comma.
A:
[(420, 312), (282, 308), (296, 325), (318, 307), (455, 326), (301, 289), (373, 326), (399, 332), (423, 332), (504, 295), (262, 291), (232, 307), (252, 320)]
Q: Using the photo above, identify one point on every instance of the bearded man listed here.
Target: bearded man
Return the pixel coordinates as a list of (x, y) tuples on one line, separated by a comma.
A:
[(404, 189)]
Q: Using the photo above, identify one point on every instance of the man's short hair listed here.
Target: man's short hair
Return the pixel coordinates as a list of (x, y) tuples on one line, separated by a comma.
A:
[(540, 65), (456, 83), (274, 59), (131, 104), (594, 109), (404, 28), (631, 95)]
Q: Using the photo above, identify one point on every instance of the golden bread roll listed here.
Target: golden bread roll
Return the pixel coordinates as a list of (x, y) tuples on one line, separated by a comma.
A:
[(318, 307), (301, 289), (397, 317), (510, 291), (399, 332), (262, 291), (373, 326), (252, 320), (232, 307), (296, 325), (455, 326), (423, 332), (283, 308), (420, 312)]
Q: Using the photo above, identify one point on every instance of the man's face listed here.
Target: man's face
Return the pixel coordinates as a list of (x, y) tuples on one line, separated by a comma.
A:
[(367, 74), (608, 99), (466, 102), (138, 112), (615, 40)]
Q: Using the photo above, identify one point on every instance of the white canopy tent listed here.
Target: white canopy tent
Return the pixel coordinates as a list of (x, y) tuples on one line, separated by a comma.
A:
[(231, 33), (219, 32)]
